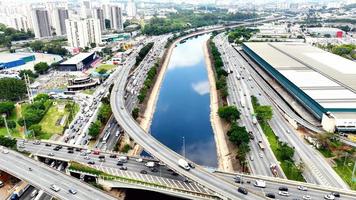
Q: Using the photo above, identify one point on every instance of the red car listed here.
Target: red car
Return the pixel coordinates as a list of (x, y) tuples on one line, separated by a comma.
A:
[(96, 152)]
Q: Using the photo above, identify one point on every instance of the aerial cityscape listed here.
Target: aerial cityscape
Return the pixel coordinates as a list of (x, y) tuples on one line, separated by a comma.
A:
[(177, 99)]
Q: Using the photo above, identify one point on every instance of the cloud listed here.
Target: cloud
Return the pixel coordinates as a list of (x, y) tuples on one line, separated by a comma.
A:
[(202, 88)]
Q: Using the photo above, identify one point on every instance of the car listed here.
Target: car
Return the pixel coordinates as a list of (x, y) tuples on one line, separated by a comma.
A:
[(70, 151), (54, 187), (56, 149), (283, 193), (154, 170), (5, 151), (72, 191), (78, 149), (251, 157), (59, 146), (261, 155), (50, 154), (175, 174), (302, 188), (119, 163), (242, 190), (91, 162), (329, 197), (139, 160), (37, 142), (34, 193), (336, 194), (86, 157), (191, 165), (70, 148), (48, 145), (283, 188), (238, 180), (21, 146), (113, 156), (123, 168), (1, 184), (83, 153), (143, 172), (307, 197), (271, 195)]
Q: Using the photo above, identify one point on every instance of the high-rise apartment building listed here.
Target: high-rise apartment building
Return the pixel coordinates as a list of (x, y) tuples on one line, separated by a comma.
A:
[(116, 18), (83, 32), (98, 13), (41, 23), (131, 8), (59, 15)]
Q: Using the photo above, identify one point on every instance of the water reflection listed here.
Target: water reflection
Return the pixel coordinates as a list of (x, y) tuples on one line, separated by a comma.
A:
[(183, 107)]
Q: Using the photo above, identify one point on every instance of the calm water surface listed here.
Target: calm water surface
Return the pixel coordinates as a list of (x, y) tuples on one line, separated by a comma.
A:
[(183, 107)]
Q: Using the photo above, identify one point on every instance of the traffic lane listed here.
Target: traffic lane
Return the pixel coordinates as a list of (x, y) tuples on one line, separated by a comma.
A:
[(273, 187), (131, 164), (27, 194), (17, 164)]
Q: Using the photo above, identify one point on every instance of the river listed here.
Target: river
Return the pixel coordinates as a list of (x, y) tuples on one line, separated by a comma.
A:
[(182, 116)]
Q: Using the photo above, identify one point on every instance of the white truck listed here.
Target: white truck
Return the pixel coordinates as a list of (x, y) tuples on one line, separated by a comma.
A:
[(254, 119), (183, 164), (150, 164), (123, 159)]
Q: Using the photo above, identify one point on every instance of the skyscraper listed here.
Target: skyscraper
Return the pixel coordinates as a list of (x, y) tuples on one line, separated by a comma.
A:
[(83, 32), (116, 18), (131, 8), (98, 13), (41, 23), (59, 16)]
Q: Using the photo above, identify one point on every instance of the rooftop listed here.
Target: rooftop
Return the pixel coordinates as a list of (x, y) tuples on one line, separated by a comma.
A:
[(77, 59), (327, 78), (9, 57)]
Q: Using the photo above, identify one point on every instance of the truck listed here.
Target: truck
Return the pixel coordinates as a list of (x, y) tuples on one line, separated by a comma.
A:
[(242, 101), (183, 164), (254, 119), (123, 159), (238, 76), (150, 164)]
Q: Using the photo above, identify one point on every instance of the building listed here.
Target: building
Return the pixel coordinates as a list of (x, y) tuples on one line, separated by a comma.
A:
[(131, 8), (78, 62), (59, 15), (83, 32), (98, 13), (20, 22), (326, 32), (85, 9), (41, 23), (8, 60), (322, 82), (116, 18)]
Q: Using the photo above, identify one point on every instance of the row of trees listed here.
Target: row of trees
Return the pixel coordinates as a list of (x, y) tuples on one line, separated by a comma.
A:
[(263, 113), (151, 74), (12, 89), (182, 20), (11, 34), (104, 114), (221, 74), (143, 52), (53, 47)]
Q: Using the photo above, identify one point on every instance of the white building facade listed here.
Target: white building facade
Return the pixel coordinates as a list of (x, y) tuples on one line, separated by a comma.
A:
[(83, 32)]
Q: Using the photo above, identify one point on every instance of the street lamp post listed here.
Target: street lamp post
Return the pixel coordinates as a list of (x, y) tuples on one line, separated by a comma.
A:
[(7, 128)]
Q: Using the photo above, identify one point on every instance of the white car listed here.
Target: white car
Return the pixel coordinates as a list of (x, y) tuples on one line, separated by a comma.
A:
[(55, 188), (302, 188), (307, 197), (329, 197), (283, 193), (5, 151), (139, 160)]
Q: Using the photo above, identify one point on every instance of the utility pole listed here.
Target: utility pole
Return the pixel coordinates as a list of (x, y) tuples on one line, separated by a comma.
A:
[(183, 146), (7, 128), (29, 91)]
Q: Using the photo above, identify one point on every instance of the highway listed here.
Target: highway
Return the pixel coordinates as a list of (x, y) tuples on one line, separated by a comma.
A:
[(239, 95), (42, 177), (317, 169)]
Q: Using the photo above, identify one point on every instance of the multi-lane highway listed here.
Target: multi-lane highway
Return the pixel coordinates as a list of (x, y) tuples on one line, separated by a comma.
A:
[(317, 169), (42, 177)]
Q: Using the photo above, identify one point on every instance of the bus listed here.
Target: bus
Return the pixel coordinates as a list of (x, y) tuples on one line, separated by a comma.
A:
[(262, 147), (106, 136)]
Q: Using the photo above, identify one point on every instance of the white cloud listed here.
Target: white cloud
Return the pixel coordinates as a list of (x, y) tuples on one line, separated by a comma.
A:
[(202, 88)]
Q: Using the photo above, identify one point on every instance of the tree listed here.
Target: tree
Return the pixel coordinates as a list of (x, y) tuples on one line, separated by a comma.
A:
[(135, 113), (41, 97), (285, 152), (36, 130), (41, 67), (102, 71), (238, 135), (8, 142), (11, 124), (104, 113), (94, 129), (12, 89), (264, 113), (27, 72), (6, 107), (37, 45), (229, 113)]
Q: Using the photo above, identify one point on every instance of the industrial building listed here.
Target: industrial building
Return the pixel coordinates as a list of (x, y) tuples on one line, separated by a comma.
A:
[(9, 60), (324, 83), (78, 62)]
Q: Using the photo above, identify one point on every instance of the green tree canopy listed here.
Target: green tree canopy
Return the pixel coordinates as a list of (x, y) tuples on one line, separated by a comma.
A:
[(12, 89), (237, 134), (229, 113), (94, 129), (7, 107), (135, 113), (41, 67), (264, 113), (41, 97)]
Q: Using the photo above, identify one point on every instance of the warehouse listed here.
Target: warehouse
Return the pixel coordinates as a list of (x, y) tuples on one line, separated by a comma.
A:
[(10, 60), (78, 62), (324, 83)]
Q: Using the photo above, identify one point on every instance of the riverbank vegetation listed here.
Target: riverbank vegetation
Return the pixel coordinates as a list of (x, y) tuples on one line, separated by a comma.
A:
[(281, 150), (143, 52), (182, 20)]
